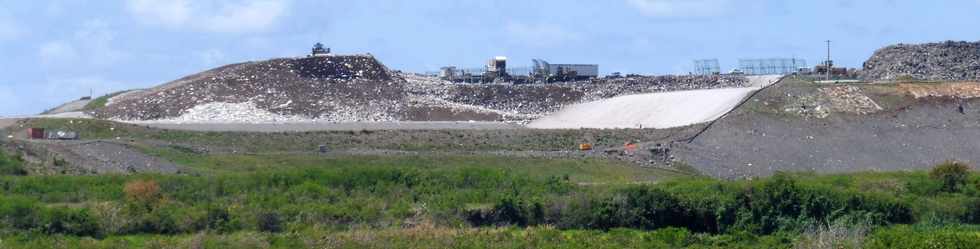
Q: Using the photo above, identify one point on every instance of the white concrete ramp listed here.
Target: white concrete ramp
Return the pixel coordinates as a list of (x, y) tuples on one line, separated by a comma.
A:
[(653, 110)]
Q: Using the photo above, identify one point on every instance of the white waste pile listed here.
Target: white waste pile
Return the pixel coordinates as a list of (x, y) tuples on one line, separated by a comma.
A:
[(248, 112), (525, 102), (653, 110), (762, 80)]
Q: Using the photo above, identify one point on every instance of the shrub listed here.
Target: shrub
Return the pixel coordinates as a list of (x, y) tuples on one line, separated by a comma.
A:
[(972, 214), (220, 220), (952, 174), (78, 222), (269, 222), (902, 236), (640, 207), (11, 165), (508, 211), (143, 194), (20, 213)]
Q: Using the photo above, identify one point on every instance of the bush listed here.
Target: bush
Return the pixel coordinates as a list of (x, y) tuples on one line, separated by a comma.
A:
[(972, 214), (143, 194), (902, 236), (508, 211), (640, 207), (953, 175), (11, 165), (78, 222), (269, 222), (19, 213), (218, 219), (28, 215)]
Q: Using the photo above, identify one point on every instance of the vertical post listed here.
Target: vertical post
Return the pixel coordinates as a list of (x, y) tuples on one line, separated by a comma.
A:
[(828, 62)]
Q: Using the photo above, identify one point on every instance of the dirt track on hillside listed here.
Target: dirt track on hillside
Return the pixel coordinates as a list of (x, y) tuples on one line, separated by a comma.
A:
[(327, 126)]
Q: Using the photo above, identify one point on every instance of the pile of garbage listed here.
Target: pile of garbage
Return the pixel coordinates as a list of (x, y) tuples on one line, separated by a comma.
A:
[(536, 100), (358, 88), (347, 88), (944, 61)]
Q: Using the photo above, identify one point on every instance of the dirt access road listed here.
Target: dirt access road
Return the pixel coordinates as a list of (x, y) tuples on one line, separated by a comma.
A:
[(329, 126)]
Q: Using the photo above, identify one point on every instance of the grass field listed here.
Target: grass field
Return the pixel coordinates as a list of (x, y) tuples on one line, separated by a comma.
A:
[(584, 170), (403, 140), (481, 202)]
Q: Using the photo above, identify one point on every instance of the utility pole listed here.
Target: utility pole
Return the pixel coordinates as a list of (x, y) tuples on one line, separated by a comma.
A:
[(829, 63)]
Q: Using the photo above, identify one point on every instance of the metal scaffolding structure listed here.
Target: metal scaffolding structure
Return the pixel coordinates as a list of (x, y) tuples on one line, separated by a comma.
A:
[(771, 66), (707, 67)]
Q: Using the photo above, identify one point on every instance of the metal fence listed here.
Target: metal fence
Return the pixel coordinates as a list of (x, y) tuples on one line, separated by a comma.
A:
[(707, 67), (771, 66)]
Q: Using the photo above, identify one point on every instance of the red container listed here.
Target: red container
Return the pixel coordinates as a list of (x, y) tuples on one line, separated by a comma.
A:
[(35, 133)]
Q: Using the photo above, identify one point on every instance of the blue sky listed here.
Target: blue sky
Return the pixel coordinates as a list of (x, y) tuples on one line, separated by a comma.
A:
[(54, 51)]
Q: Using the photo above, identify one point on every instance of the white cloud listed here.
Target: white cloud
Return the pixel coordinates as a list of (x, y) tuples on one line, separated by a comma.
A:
[(249, 16), (238, 16), (90, 46), (57, 52), (540, 34), (681, 8), (172, 13)]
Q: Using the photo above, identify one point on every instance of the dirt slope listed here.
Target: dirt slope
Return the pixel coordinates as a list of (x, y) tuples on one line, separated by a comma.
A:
[(805, 127)]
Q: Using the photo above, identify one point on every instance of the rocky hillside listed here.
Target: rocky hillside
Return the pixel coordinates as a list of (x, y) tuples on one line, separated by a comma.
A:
[(932, 61), (330, 88)]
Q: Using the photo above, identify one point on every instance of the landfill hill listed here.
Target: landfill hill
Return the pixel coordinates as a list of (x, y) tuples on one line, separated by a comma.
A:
[(943, 61), (798, 125), (359, 88), (334, 87)]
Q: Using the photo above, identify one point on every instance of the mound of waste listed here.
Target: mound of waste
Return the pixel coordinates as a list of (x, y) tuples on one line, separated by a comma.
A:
[(932, 61), (331, 88), (357, 88), (535, 100)]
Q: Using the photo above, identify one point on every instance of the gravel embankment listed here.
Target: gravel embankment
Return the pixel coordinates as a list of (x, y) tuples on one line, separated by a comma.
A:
[(911, 134)]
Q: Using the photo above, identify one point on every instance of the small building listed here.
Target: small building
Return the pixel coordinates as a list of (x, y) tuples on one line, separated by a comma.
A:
[(319, 50), (448, 73), (35, 133), (543, 69), (497, 67)]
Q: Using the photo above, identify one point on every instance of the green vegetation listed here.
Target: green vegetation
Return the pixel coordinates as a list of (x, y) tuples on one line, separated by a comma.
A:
[(100, 101), (97, 103), (11, 165), (582, 171), (953, 175), (476, 202), (416, 140)]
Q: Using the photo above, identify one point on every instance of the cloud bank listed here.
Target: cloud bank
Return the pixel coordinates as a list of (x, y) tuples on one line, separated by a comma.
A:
[(242, 16), (681, 8)]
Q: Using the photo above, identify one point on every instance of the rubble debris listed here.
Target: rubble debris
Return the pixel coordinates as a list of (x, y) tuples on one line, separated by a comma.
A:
[(849, 99), (949, 60)]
